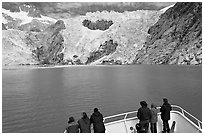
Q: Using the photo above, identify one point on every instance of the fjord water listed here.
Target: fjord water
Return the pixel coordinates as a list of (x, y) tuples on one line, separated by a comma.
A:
[(41, 100)]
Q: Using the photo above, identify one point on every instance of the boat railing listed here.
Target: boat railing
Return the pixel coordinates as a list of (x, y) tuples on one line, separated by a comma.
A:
[(123, 117), (192, 119)]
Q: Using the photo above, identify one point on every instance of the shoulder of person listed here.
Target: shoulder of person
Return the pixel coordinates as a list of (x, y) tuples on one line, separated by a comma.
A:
[(79, 120)]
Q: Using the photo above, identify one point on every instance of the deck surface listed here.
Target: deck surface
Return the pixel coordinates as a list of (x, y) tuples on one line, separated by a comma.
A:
[(182, 125)]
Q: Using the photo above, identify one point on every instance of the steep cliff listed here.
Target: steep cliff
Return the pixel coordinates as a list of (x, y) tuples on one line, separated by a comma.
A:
[(49, 44), (176, 38)]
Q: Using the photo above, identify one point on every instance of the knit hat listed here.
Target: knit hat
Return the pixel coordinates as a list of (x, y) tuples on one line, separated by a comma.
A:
[(71, 119)]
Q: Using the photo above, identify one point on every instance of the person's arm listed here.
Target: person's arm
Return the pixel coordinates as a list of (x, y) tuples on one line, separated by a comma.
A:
[(66, 130), (78, 124), (102, 117), (170, 108), (138, 114), (79, 127), (162, 108), (91, 119), (150, 114)]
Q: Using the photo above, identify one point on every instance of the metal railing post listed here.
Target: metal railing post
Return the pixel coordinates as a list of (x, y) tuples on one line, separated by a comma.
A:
[(183, 112), (199, 124), (125, 123)]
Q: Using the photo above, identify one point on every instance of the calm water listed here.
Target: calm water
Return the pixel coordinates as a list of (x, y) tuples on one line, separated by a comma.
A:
[(41, 100)]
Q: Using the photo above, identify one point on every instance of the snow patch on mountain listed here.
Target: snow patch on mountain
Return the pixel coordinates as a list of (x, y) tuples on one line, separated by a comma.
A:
[(23, 16), (166, 8)]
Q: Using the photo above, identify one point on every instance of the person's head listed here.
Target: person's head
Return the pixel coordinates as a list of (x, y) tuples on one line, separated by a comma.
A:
[(95, 109), (71, 119), (153, 105), (165, 100), (143, 104), (84, 115)]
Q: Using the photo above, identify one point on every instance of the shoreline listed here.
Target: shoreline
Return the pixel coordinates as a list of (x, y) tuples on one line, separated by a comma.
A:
[(16, 67), (50, 66)]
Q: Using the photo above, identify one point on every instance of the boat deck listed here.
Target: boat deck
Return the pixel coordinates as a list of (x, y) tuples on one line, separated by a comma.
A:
[(185, 122)]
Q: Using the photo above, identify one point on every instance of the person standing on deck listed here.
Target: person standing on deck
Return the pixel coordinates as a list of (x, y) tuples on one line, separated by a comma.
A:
[(165, 115), (97, 120), (144, 115), (84, 123), (154, 119)]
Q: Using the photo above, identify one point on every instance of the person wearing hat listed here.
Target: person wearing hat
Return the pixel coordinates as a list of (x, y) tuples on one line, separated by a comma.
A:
[(144, 115), (72, 127), (154, 119), (84, 123), (165, 115), (97, 120)]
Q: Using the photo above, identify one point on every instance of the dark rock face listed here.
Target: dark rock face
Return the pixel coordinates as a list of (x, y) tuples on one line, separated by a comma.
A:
[(13, 7), (3, 27), (105, 49), (34, 26), (111, 62), (57, 27), (98, 25), (48, 45), (176, 38)]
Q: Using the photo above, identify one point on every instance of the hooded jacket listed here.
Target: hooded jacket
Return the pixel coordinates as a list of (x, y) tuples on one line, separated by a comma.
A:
[(85, 125), (154, 112), (144, 114), (97, 120)]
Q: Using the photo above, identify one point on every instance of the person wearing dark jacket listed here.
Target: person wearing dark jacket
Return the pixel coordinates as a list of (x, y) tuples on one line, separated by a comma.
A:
[(97, 120), (73, 127), (165, 115), (84, 124), (144, 115)]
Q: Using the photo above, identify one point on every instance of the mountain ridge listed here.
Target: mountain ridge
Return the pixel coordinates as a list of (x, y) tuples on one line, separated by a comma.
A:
[(136, 37), (68, 9)]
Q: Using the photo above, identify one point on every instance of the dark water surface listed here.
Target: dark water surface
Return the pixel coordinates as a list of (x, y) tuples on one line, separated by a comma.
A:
[(41, 100)]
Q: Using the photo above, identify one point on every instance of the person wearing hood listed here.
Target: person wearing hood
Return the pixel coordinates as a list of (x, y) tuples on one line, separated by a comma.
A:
[(154, 119), (97, 120), (165, 115), (84, 123), (73, 126), (144, 115)]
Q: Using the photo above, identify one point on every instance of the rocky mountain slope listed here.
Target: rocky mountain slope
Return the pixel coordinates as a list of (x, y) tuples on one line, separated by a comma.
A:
[(14, 49), (176, 38), (26, 48), (142, 36)]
